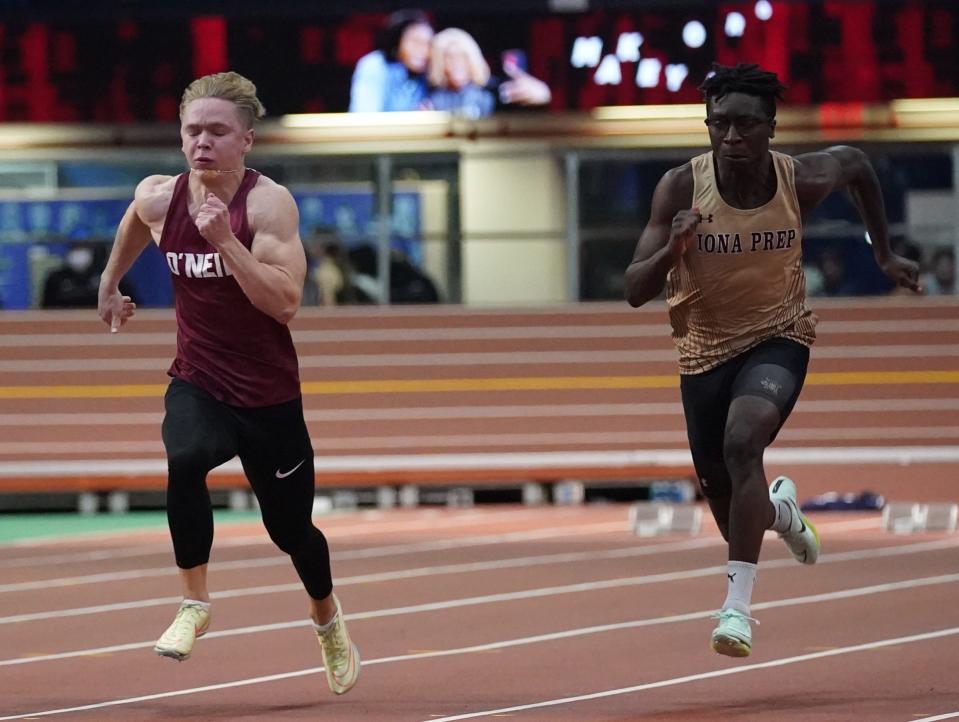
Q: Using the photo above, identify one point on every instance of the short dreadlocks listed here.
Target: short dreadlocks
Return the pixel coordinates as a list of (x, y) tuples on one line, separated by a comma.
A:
[(746, 78)]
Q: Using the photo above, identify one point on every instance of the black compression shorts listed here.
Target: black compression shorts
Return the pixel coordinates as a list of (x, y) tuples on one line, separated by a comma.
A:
[(775, 370)]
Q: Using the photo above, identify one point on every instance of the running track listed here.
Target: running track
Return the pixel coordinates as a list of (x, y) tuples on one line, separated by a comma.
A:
[(495, 613), (406, 392), (536, 614)]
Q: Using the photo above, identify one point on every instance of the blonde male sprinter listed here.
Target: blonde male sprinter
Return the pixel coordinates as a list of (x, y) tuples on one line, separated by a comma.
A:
[(230, 238)]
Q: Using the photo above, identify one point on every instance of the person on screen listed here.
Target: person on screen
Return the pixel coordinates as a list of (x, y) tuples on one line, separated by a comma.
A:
[(461, 82), (458, 75), (521, 88), (393, 77)]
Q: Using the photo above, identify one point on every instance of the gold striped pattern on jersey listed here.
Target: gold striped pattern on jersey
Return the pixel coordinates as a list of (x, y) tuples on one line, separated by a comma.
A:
[(741, 279)]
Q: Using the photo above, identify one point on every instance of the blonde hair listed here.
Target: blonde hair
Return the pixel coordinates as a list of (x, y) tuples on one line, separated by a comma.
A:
[(230, 86), (456, 38)]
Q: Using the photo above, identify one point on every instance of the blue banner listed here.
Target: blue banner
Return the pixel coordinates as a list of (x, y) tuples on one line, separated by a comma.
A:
[(52, 225)]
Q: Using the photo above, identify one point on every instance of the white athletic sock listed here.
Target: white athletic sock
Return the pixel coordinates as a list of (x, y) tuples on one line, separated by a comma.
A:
[(324, 628), (205, 606), (786, 518), (741, 576)]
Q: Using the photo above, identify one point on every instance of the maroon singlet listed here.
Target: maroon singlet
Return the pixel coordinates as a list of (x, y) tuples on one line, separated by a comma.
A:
[(224, 345)]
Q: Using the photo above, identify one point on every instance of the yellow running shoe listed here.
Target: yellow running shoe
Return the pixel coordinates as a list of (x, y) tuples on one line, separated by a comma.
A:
[(341, 658), (733, 636), (803, 543), (191, 622)]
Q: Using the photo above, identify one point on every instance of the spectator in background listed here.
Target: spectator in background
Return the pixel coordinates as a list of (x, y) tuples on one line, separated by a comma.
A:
[(334, 276), (408, 283), (909, 250), (458, 75), (393, 77), (941, 278), (832, 269), (362, 259), (814, 279), (311, 291), (77, 283), (329, 273)]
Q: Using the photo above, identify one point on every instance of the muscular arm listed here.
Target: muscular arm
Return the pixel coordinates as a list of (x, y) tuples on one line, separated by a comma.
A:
[(133, 236), (662, 241), (844, 167), (271, 272)]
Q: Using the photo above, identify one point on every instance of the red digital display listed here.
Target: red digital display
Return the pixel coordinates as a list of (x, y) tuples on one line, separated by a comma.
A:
[(839, 51)]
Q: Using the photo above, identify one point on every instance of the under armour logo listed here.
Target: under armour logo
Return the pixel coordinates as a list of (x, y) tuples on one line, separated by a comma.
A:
[(770, 385), (706, 218), (732, 576)]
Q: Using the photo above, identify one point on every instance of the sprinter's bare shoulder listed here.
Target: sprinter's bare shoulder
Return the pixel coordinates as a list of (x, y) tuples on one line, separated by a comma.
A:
[(152, 200)]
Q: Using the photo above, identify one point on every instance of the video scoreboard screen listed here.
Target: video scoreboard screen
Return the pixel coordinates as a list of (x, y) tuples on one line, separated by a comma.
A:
[(129, 70)]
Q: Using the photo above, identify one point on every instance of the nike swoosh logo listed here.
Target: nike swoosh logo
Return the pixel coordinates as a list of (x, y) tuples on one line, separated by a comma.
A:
[(802, 521), (284, 474)]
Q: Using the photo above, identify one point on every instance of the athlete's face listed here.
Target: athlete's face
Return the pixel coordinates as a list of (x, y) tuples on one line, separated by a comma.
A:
[(214, 135), (739, 129)]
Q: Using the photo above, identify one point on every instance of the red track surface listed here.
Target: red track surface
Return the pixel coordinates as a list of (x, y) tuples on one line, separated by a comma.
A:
[(388, 384), (840, 641), (472, 611)]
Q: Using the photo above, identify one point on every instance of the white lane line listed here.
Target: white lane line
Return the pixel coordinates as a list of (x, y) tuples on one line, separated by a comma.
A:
[(106, 577), (337, 314), (374, 552), (365, 523), (80, 557), (513, 537), (461, 568), (582, 587), (947, 715), (380, 335), (331, 533), (553, 438), (636, 356), (512, 411), (519, 462), (600, 309), (240, 564), (571, 633), (781, 662), (475, 333), (563, 531)]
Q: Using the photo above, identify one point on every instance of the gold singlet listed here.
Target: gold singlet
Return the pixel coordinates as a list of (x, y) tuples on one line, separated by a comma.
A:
[(741, 279)]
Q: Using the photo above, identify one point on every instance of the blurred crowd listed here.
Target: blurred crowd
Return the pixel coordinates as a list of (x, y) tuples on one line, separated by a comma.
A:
[(832, 271)]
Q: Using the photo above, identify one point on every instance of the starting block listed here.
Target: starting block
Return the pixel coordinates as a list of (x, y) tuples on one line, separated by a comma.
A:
[(902, 517), (656, 518)]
